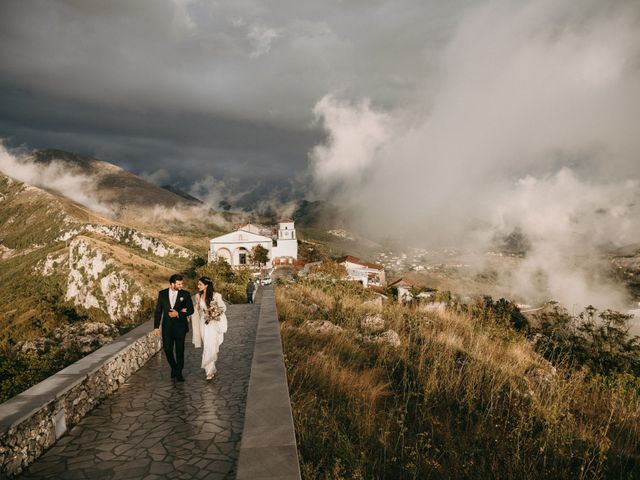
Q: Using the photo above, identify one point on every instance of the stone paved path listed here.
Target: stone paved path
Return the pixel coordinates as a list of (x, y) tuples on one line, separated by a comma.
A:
[(153, 428)]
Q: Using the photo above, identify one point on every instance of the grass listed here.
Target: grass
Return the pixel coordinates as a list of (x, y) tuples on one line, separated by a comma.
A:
[(460, 397)]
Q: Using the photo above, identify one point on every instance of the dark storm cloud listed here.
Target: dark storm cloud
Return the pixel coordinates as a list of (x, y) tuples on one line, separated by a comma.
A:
[(223, 85)]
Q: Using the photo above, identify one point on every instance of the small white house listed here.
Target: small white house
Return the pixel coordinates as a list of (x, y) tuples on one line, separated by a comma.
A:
[(236, 247), (403, 289), (363, 272)]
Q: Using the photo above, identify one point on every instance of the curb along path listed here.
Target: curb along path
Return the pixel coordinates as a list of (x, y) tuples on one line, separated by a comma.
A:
[(153, 428)]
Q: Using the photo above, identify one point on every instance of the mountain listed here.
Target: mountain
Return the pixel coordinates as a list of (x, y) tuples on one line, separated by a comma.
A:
[(113, 185), (182, 193), (319, 214), (60, 253)]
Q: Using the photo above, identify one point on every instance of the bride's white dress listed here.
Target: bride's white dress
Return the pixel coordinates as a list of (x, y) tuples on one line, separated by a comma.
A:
[(210, 336)]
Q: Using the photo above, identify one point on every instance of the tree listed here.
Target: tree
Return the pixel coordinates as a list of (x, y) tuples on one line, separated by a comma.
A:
[(260, 255)]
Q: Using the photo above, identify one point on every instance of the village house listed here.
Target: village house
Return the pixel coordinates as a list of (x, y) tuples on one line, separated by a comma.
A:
[(405, 290), (236, 247), (369, 274), (402, 288)]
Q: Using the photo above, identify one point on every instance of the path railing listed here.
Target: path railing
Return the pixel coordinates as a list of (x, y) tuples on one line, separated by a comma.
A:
[(32, 421), (268, 448)]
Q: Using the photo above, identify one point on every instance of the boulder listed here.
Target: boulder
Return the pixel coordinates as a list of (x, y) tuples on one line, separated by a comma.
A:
[(373, 323), (322, 326), (389, 337)]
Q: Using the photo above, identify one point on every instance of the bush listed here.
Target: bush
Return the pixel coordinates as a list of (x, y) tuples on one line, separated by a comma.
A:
[(597, 340), (502, 312), (229, 282), (329, 269), (21, 370)]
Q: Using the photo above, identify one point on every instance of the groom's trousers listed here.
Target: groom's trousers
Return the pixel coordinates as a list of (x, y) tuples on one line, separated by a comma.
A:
[(174, 336)]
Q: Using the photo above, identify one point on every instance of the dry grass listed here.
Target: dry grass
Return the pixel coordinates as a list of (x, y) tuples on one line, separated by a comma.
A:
[(457, 399)]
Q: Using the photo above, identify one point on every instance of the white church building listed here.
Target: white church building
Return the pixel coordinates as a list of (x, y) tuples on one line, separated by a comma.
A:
[(236, 247)]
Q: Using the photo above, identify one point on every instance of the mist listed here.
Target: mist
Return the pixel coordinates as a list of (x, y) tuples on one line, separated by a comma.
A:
[(527, 122), (53, 176)]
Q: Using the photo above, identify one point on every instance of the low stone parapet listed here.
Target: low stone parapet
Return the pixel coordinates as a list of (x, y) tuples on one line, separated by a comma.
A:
[(268, 449), (32, 421)]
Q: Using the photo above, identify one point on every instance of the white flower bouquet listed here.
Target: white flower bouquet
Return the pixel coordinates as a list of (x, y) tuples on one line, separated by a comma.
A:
[(213, 312)]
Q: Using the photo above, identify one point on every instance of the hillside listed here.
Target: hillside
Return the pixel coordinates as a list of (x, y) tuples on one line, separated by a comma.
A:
[(73, 279), (384, 390), (114, 185), (40, 236)]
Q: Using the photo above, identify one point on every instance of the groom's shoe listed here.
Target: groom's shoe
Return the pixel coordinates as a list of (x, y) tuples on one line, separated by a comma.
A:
[(179, 378), (173, 374)]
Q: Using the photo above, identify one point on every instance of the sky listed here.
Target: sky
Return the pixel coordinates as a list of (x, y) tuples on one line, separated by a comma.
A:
[(433, 122), (204, 88)]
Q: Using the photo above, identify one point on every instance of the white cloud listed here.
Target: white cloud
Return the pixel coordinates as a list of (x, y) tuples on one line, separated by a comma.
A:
[(52, 176), (568, 221), (159, 177), (540, 91), (355, 133), (209, 190), (261, 37)]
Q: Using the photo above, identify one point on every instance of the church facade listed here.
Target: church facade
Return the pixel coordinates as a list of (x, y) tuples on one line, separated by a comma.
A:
[(236, 247)]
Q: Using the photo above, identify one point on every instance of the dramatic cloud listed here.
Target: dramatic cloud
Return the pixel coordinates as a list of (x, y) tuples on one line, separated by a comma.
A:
[(52, 176), (568, 222), (227, 87), (355, 134), (423, 117), (531, 125)]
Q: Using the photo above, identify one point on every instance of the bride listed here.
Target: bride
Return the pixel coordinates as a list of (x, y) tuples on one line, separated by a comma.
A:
[(207, 331)]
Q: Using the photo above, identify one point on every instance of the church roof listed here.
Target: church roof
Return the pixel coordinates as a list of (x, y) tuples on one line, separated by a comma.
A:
[(241, 236), (401, 282), (356, 260), (255, 228)]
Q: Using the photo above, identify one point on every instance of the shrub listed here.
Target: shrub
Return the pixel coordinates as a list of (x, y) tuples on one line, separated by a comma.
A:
[(21, 370), (597, 340), (502, 312), (229, 282)]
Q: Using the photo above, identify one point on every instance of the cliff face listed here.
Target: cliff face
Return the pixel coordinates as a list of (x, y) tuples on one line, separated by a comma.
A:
[(95, 281), (60, 262)]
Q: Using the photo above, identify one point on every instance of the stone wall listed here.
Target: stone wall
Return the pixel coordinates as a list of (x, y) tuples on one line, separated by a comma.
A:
[(268, 449), (32, 421)]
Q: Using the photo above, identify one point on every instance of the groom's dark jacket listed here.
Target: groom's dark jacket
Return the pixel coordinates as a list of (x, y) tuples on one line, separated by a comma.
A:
[(163, 305)]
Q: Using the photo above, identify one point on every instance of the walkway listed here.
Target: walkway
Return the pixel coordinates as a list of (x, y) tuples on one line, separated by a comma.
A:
[(153, 428)]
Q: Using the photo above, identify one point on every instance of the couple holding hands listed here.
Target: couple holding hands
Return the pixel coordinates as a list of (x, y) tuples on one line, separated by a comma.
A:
[(206, 309)]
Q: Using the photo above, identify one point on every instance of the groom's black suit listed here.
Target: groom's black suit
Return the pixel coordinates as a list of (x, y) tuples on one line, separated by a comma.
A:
[(174, 330)]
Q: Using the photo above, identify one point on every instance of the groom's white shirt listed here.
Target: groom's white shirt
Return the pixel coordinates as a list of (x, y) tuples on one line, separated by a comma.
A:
[(173, 296)]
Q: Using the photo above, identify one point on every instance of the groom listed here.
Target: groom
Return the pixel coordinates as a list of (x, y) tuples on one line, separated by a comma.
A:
[(173, 307)]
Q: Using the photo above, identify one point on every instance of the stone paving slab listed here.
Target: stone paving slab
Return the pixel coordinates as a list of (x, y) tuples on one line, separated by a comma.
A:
[(154, 428)]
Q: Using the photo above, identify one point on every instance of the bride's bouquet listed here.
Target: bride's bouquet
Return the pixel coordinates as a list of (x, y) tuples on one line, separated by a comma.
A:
[(213, 312)]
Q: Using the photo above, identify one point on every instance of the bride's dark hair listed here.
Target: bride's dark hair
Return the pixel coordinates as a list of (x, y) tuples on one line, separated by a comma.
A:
[(208, 293)]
